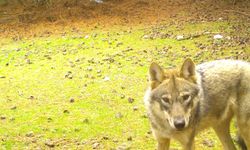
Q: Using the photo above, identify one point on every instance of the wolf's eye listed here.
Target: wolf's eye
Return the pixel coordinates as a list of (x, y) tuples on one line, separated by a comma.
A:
[(186, 97), (165, 99)]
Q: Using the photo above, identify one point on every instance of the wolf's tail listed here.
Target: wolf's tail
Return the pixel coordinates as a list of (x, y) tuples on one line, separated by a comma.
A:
[(241, 142)]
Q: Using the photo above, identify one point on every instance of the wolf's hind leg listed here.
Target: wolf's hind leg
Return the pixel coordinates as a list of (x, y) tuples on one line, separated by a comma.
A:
[(222, 131), (245, 132), (243, 117), (163, 143), (243, 126)]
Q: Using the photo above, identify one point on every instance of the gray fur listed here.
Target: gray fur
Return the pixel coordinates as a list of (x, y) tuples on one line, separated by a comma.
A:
[(224, 92)]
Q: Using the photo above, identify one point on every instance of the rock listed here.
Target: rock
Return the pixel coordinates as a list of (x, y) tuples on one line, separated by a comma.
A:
[(30, 134), (28, 61), (66, 111), (2, 117), (86, 120), (105, 137), (89, 68), (95, 145), (130, 138), (135, 108), (106, 78), (122, 96), (86, 36), (49, 119), (123, 146), (118, 44), (179, 37), (118, 115), (218, 36), (2, 77), (72, 100), (146, 37), (131, 100), (49, 143), (13, 108)]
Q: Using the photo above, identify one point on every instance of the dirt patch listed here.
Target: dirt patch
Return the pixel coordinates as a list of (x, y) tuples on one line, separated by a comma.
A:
[(88, 13)]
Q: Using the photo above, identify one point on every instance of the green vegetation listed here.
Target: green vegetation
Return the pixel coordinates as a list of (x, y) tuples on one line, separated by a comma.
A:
[(85, 89)]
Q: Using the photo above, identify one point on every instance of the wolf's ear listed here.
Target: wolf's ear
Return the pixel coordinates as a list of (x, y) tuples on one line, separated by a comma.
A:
[(188, 69), (155, 73)]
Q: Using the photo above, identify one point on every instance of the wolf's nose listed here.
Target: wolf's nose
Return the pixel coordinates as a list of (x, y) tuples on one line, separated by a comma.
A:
[(179, 123)]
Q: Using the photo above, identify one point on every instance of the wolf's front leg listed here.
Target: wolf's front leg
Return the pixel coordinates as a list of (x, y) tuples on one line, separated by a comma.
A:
[(163, 143), (188, 146), (188, 142)]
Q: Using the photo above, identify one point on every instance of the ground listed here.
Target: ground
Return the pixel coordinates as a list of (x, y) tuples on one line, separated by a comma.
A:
[(74, 77)]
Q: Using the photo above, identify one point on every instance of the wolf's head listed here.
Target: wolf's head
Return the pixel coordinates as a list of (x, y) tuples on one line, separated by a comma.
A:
[(176, 92)]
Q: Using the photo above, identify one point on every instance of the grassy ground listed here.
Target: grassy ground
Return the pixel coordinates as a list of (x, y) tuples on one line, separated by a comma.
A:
[(83, 89)]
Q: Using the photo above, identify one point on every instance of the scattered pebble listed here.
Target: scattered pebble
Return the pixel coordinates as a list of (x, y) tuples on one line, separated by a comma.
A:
[(118, 115), (130, 138), (66, 111), (122, 96), (2, 117), (218, 36), (30, 134), (179, 37), (13, 107), (135, 108), (49, 143), (72, 100), (86, 120), (131, 100), (96, 145), (105, 137), (106, 78)]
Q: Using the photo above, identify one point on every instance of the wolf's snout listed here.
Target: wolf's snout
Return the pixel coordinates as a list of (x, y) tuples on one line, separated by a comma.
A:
[(179, 123)]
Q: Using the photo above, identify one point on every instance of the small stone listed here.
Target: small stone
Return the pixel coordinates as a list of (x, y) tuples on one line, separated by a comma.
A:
[(118, 115), (146, 37), (89, 68), (86, 36), (49, 143), (72, 100), (118, 44), (13, 108), (28, 61), (179, 37), (70, 76), (86, 120), (31, 97), (131, 100), (105, 137), (2, 117), (123, 146), (130, 138), (135, 108), (12, 119), (49, 119), (218, 36), (66, 111), (30, 134), (96, 145), (122, 96), (2, 77), (106, 78)]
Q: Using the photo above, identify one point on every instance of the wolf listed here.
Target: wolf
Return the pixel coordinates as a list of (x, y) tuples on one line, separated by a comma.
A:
[(182, 102)]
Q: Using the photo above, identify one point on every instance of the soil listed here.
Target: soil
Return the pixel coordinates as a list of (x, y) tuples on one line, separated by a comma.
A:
[(19, 19)]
